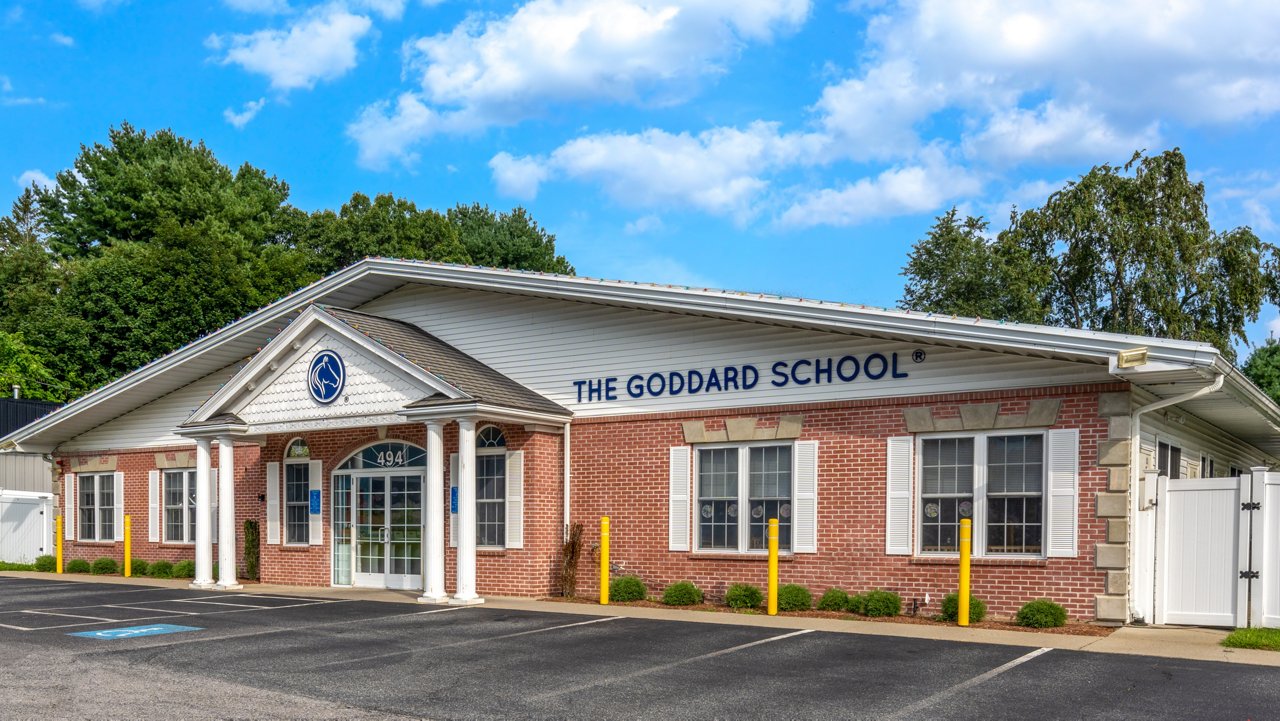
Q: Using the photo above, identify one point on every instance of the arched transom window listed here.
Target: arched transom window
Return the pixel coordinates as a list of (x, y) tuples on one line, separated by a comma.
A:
[(392, 454)]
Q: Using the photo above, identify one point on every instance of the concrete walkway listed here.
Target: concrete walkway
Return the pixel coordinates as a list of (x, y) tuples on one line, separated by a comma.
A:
[(1165, 641)]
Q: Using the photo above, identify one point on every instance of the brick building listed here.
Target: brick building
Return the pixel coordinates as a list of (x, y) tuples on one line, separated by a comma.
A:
[(424, 426)]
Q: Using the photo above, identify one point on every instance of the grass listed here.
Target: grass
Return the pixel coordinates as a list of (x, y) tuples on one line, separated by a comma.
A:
[(7, 566), (1267, 639)]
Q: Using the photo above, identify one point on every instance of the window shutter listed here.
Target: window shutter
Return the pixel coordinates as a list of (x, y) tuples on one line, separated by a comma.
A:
[(515, 499), (69, 507), (1063, 491), (315, 484), (897, 537), (273, 503), (804, 512), (453, 492), (153, 506), (213, 510), (118, 498), (679, 470)]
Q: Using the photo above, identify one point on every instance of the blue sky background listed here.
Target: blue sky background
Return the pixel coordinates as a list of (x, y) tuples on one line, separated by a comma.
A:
[(767, 145)]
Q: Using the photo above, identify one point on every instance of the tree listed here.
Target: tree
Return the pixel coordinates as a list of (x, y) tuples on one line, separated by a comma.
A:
[(507, 240), (22, 366), (1125, 249), (386, 226), (1263, 368), (29, 275)]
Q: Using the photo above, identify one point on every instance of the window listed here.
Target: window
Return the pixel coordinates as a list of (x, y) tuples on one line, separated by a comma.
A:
[(754, 477), (297, 488), (1207, 467), (97, 506), (1169, 460), (491, 487), (180, 506), (995, 480)]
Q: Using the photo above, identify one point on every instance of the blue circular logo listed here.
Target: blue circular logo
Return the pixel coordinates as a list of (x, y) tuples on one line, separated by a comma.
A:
[(327, 376)]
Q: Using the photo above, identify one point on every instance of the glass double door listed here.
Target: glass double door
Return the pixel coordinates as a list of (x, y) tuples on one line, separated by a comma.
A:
[(387, 530)]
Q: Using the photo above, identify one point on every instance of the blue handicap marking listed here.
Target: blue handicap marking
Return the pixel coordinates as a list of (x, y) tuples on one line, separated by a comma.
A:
[(154, 629)]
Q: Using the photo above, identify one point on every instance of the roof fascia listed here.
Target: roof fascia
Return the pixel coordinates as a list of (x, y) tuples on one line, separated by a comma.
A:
[(476, 411)]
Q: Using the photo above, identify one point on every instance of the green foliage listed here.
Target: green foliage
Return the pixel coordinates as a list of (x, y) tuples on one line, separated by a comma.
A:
[(78, 565), (506, 240), (137, 567), (12, 566), (251, 549), (834, 599), (105, 566), (386, 227), (1125, 249), (794, 597), (570, 552), (1267, 639), (22, 365), (1263, 368), (883, 603), (682, 593), (627, 588), (46, 564), (743, 595), (184, 569), (858, 604), (1041, 613), (951, 608), (163, 569)]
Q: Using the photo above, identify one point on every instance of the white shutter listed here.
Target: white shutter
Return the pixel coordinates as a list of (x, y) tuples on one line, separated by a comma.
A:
[(273, 503), (1062, 491), (515, 499), (118, 498), (679, 469), (153, 506), (897, 536), (69, 507), (315, 481), (453, 491), (213, 510), (804, 511)]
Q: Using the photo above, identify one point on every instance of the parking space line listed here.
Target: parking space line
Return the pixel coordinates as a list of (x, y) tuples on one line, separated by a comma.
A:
[(222, 603), (131, 607), (69, 615), (667, 666), (963, 685)]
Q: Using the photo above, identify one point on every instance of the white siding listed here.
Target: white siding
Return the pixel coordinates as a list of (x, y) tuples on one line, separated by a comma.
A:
[(549, 344)]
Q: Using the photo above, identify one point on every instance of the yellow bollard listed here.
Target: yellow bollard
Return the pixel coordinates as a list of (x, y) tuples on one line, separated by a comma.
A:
[(604, 560), (128, 546), (773, 567), (57, 543), (966, 540)]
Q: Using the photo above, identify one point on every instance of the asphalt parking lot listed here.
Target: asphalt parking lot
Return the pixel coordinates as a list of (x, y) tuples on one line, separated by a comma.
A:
[(247, 655)]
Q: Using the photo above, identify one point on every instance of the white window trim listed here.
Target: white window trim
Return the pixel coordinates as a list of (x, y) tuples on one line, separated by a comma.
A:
[(979, 539), (284, 499), (97, 507), (494, 451), (744, 501), (186, 508)]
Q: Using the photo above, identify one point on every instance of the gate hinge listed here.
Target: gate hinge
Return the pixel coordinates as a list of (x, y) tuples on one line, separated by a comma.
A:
[(1248, 574), (1255, 506)]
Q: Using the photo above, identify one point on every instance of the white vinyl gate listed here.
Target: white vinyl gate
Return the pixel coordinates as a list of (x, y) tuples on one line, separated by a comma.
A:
[(25, 526), (1218, 550)]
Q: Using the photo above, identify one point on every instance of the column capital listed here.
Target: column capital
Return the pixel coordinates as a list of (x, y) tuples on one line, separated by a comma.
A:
[(434, 425), (466, 424)]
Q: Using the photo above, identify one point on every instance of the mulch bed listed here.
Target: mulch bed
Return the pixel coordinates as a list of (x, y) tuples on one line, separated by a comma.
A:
[(1072, 628)]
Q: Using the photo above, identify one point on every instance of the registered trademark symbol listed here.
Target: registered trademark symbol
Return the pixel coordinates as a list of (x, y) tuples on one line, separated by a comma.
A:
[(918, 356)]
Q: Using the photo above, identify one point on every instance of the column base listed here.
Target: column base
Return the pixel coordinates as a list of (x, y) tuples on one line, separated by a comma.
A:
[(473, 601), (201, 585), (228, 586), (424, 598)]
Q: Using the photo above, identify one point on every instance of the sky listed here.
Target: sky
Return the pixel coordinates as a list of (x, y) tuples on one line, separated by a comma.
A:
[(778, 146)]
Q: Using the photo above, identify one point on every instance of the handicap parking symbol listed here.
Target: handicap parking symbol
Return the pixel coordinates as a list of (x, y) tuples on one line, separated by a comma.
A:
[(154, 629)]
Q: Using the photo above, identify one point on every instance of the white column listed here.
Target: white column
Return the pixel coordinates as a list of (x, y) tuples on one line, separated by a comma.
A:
[(227, 514), (466, 591), (433, 540), (204, 516)]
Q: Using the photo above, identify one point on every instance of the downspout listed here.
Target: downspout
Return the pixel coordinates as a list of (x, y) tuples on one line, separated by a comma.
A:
[(566, 482), (1135, 473)]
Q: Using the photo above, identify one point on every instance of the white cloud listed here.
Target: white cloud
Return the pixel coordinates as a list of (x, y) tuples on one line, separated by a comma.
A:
[(34, 176), (1054, 132), (874, 116), (389, 9), (644, 225), (8, 99), (269, 7), (384, 134), (517, 177), (64, 40), (321, 45), (248, 113), (6, 85)]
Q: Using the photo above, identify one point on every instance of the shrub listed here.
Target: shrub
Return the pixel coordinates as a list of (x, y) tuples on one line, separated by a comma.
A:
[(251, 549), (951, 608), (858, 604), (570, 552), (834, 600), (160, 569), (682, 593), (743, 595), (1042, 613), (46, 564), (105, 567), (883, 603), (627, 588), (11, 566), (184, 569), (215, 571), (138, 567), (78, 565), (794, 597)]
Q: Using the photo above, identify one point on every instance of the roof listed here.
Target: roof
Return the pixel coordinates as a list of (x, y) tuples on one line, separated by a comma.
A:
[(1240, 408), (475, 379)]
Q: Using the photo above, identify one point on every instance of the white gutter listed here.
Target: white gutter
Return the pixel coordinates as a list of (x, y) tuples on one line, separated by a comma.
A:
[(1135, 455), (566, 481)]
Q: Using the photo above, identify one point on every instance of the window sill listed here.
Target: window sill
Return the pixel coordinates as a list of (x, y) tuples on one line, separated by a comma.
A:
[(490, 552), (296, 548), (733, 556), (985, 561), (178, 544)]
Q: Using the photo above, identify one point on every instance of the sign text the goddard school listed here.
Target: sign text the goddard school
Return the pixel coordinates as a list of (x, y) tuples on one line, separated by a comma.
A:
[(802, 372)]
